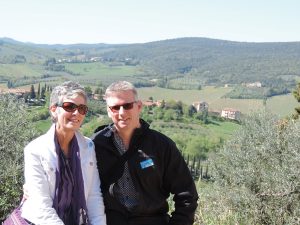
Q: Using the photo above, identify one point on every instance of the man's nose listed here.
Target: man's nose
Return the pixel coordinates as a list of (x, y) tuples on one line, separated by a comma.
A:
[(121, 110)]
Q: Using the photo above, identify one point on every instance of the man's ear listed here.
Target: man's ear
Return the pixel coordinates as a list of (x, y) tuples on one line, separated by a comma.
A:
[(140, 105)]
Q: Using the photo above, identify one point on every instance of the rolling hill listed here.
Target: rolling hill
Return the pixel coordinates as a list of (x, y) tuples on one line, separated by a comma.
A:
[(189, 61)]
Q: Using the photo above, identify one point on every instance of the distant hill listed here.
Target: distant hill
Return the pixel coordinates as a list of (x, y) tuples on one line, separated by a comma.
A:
[(203, 60), (216, 61)]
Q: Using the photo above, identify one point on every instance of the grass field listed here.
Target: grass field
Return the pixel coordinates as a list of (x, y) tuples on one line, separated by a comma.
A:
[(20, 70), (283, 105), (103, 73), (208, 94), (222, 129)]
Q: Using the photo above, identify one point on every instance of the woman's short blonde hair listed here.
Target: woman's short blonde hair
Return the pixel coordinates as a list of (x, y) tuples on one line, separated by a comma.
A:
[(67, 89)]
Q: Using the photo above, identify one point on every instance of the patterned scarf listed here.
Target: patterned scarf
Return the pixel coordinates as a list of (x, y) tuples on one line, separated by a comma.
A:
[(69, 200)]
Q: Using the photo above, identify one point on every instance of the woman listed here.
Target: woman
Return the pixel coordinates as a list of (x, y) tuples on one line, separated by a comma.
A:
[(61, 175)]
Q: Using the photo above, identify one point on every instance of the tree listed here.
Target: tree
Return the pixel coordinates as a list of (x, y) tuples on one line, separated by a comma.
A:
[(32, 92), (10, 84), (88, 91), (16, 132), (163, 104), (19, 59), (169, 114), (39, 91), (50, 61), (190, 110), (296, 94), (158, 113), (256, 175), (99, 92), (43, 92), (200, 146)]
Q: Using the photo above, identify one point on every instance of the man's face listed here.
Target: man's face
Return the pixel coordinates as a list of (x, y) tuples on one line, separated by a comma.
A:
[(124, 110)]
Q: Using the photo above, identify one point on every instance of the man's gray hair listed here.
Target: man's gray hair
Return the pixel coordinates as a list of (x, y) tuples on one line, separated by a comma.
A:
[(68, 89), (120, 86)]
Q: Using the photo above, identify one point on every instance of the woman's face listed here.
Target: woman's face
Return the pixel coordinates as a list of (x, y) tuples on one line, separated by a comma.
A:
[(69, 121)]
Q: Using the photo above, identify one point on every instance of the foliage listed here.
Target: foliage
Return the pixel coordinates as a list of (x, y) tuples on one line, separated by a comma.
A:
[(96, 107), (32, 92), (89, 128), (16, 132), (192, 138), (88, 90), (296, 94), (174, 110), (275, 88), (256, 175), (39, 113)]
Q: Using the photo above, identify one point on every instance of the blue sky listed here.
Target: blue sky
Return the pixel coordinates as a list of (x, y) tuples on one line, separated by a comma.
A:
[(140, 21)]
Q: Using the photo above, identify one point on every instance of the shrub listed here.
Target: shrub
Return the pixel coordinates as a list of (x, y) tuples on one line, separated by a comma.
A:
[(256, 175), (15, 133)]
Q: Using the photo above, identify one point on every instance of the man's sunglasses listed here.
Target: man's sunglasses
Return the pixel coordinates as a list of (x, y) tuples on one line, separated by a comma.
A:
[(71, 107), (126, 106)]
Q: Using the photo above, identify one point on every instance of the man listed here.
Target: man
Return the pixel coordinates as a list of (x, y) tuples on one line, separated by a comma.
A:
[(140, 167)]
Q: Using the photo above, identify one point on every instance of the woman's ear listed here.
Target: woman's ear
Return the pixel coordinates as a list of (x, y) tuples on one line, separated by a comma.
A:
[(52, 108), (52, 111)]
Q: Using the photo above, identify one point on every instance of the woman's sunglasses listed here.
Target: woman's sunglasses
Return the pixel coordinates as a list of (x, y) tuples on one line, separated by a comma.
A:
[(126, 106), (71, 107)]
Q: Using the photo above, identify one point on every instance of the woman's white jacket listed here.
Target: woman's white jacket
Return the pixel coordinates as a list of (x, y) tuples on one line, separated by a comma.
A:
[(41, 162)]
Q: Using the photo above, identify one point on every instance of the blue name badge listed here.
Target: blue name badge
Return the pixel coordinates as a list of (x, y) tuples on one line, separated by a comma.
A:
[(146, 163)]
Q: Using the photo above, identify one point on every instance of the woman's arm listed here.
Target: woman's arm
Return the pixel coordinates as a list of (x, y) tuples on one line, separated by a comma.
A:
[(39, 176)]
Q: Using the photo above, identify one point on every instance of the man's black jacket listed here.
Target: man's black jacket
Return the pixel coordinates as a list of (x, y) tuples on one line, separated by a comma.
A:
[(154, 184)]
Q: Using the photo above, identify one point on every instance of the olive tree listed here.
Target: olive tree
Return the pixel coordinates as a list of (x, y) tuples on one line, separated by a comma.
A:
[(15, 133), (256, 175)]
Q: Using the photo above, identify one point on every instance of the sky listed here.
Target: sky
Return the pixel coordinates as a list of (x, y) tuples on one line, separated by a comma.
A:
[(141, 21)]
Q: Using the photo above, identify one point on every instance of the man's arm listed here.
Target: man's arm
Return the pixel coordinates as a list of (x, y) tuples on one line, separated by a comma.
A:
[(180, 183)]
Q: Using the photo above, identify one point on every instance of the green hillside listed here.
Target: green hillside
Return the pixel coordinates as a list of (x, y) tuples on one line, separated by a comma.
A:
[(202, 60)]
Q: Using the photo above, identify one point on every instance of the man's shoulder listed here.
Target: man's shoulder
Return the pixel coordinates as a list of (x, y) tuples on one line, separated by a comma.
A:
[(100, 132), (160, 137), (100, 128), (153, 135)]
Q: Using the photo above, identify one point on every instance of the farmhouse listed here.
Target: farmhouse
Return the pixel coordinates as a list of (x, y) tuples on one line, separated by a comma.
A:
[(151, 103), (253, 85), (17, 91), (231, 114)]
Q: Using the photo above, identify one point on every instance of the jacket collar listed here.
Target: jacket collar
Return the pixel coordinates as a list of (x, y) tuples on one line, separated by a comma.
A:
[(51, 134), (106, 132)]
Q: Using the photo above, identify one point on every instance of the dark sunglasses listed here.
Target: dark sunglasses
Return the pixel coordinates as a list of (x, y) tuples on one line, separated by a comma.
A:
[(71, 107), (126, 106)]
